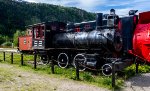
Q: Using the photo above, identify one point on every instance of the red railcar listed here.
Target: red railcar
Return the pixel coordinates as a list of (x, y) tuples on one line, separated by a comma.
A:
[(25, 43)]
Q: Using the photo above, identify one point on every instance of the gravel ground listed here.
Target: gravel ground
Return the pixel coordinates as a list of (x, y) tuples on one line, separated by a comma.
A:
[(138, 83), (21, 80)]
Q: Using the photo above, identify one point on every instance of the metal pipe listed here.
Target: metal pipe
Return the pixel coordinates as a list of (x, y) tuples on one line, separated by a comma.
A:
[(77, 69), (52, 65), (4, 55), (12, 58), (22, 59), (113, 74), (35, 56)]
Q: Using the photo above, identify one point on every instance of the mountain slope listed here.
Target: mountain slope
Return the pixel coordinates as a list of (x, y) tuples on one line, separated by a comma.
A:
[(17, 14)]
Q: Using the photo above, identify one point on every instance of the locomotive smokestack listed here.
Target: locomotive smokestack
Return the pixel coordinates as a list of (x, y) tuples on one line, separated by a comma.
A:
[(99, 19), (112, 12)]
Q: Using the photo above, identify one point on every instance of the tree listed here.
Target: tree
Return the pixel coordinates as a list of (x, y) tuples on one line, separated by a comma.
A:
[(2, 39), (16, 36)]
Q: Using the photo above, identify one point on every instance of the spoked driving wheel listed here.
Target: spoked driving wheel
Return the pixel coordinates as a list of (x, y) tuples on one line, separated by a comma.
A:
[(107, 69), (81, 61), (63, 60)]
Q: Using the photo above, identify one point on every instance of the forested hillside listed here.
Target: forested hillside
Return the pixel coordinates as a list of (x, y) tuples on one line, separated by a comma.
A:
[(15, 15)]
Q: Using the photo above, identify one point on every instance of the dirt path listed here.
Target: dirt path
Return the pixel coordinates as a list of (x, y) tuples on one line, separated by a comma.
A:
[(14, 79)]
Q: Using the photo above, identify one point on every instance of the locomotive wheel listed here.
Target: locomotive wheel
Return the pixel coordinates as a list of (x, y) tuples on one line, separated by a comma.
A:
[(81, 61), (63, 60), (107, 69), (44, 59)]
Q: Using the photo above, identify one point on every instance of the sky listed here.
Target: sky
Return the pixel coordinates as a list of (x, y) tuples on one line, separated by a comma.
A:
[(122, 7)]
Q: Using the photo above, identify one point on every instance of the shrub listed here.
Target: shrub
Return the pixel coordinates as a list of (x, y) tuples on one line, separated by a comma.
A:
[(7, 44), (2, 39), (130, 71)]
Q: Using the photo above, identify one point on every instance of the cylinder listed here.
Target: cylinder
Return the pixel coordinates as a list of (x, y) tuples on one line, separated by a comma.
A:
[(91, 61)]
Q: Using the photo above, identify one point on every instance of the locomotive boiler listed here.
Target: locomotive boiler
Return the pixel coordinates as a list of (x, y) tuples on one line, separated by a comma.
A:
[(97, 39)]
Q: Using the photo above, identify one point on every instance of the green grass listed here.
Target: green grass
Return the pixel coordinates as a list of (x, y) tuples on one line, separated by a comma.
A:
[(69, 73)]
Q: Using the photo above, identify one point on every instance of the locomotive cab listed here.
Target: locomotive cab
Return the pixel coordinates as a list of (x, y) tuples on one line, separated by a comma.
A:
[(38, 36), (43, 33)]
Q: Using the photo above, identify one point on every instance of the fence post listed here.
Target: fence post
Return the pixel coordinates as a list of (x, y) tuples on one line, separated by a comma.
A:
[(11, 57), (137, 66), (35, 56), (113, 74), (52, 65), (21, 59), (4, 55), (77, 69)]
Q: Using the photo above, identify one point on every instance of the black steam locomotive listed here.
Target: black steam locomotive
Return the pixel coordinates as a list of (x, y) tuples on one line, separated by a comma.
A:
[(94, 44)]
